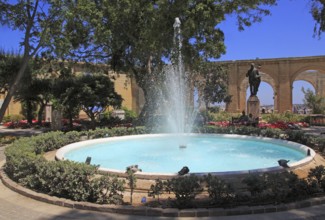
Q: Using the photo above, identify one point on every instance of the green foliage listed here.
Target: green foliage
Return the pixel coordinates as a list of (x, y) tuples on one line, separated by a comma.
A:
[(63, 179), (317, 176), (157, 189), (314, 101), (297, 136), (213, 83), (4, 139), (9, 64), (278, 186), (107, 190), (185, 189), (95, 93), (255, 184), (284, 117), (132, 183), (317, 10), (318, 143), (13, 118), (112, 132), (65, 93), (54, 140), (130, 115), (271, 133), (298, 188), (222, 116), (36, 25), (220, 192), (80, 182), (127, 34)]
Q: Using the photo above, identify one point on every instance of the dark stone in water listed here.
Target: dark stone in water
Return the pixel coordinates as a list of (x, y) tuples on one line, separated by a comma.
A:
[(283, 163), (183, 171)]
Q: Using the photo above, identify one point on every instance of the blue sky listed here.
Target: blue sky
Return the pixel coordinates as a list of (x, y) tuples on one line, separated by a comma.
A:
[(287, 32)]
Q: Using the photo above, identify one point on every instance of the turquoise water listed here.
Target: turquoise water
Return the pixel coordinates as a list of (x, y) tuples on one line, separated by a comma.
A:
[(202, 154)]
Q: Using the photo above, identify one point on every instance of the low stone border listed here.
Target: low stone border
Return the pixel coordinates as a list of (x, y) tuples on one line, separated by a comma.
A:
[(148, 211)]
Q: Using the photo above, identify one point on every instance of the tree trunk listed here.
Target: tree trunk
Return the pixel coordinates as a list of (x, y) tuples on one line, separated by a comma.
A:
[(40, 114), (93, 122), (13, 87), (70, 120), (29, 109)]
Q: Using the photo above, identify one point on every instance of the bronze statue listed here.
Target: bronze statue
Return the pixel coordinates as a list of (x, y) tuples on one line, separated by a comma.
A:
[(254, 79)]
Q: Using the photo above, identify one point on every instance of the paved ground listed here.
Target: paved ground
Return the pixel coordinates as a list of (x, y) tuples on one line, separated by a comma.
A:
[(14, 206)]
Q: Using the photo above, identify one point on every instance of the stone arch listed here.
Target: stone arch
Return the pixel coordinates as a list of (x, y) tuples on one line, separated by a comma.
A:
[(297, 94), (280, 73), (265, 77), (315, 75)]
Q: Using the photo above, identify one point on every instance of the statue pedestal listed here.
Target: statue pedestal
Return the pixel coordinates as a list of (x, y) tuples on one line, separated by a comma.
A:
[(56, 124), (253, 106)]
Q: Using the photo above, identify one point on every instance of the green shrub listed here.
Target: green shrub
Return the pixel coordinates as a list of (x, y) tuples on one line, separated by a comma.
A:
[(185, 189), (130, 115), (54, 140), (316, 177), (64, 179), (297, 136), (132, 183), (271, 133), (299, 188), (112, 132), (107, 190), (220, 192), (278, 186), (223, 116), (14, 118), (156, 189), (255, 184)]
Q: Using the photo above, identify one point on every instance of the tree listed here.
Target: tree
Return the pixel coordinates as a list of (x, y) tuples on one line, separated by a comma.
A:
[(38, 92), (135, 36), (35, 19), (95, 93), (313, 101), (9, 64), (65, 92), (317, 10), (212, 83)]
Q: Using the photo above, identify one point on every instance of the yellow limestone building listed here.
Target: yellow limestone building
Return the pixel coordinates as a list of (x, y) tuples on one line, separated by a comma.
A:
[(124, 85)]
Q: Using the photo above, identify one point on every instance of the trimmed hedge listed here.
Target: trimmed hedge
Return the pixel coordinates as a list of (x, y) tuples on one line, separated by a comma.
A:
[(26, 165)]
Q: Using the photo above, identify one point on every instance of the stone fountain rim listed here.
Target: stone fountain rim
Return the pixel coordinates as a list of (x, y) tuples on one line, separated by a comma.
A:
[(151, 175)]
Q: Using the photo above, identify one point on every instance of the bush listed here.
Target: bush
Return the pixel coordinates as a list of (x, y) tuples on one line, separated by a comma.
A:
[(222, 116), (107, 190), (316, 177), (156, 189), (284, 117), (256, 184), (113, 132), (13, 118), (185, 189), (130, 116), (64, 179), (220, 192), (297, 136), (278, 186), (271, 133)]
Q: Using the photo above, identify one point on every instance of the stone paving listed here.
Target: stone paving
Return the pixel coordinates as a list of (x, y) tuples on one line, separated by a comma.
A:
[(15, 206)]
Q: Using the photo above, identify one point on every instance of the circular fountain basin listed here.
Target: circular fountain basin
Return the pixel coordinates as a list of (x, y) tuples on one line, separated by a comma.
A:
[(163, 155)]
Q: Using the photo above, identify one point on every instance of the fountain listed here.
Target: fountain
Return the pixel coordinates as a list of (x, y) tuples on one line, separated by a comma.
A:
[(162, 155), (178, 110)]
